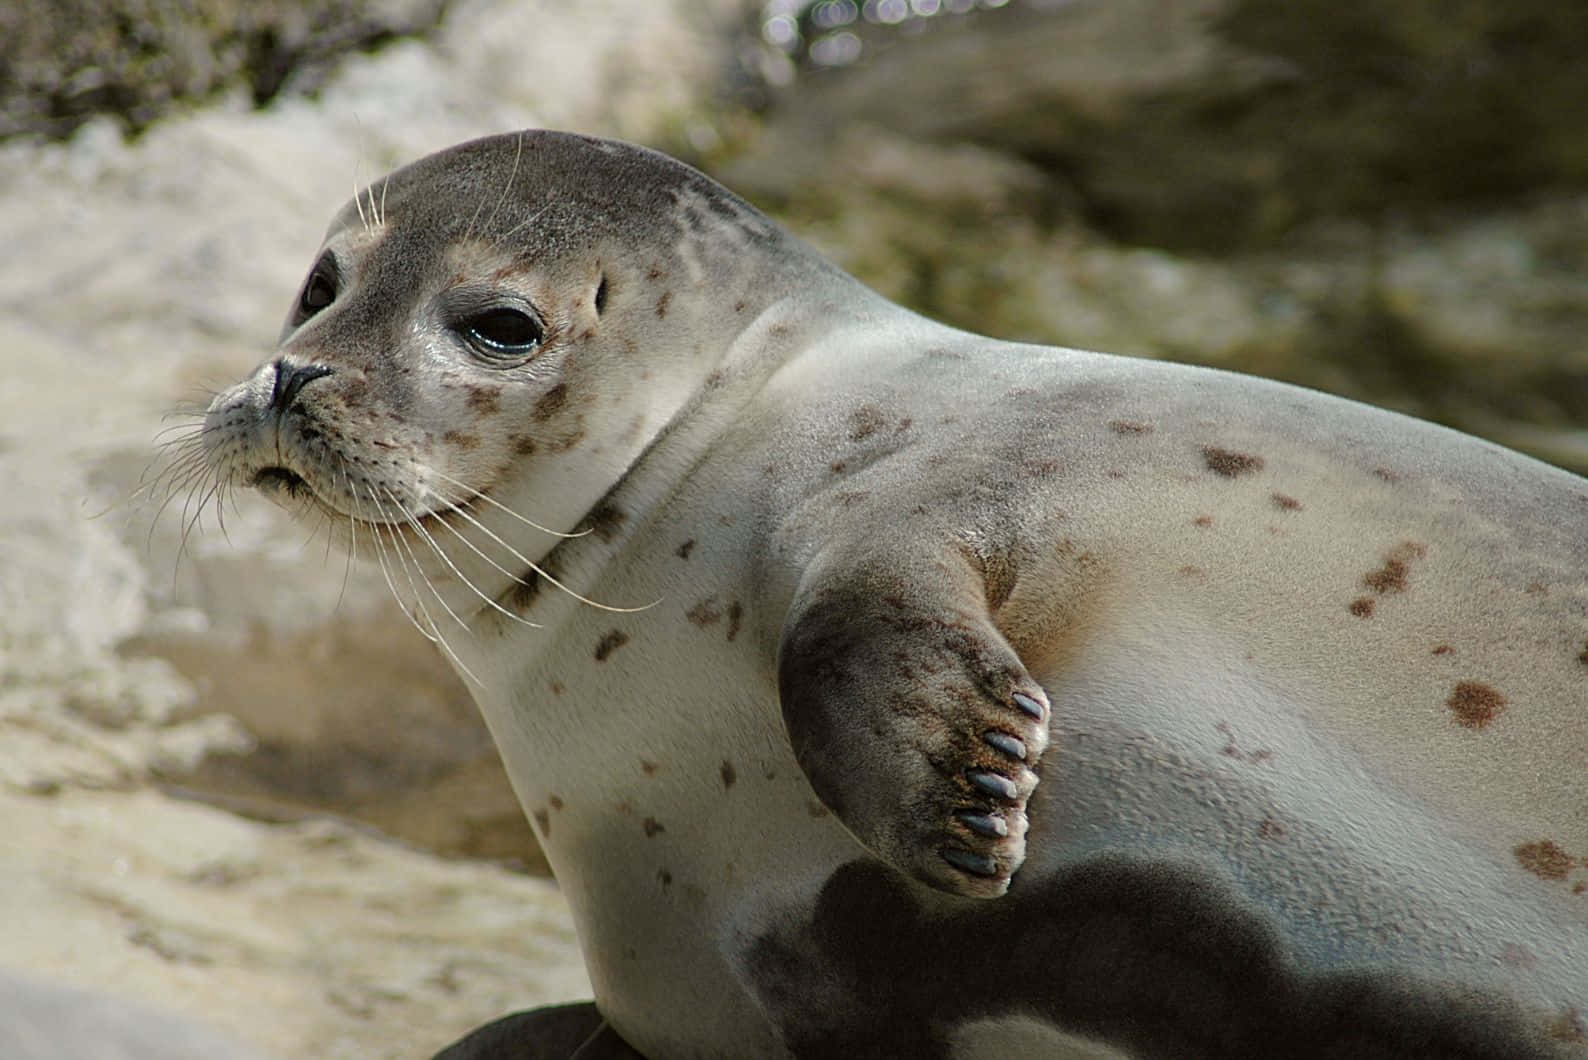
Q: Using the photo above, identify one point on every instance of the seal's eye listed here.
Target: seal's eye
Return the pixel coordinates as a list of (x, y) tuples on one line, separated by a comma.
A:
[(503, 332), (319, 290)]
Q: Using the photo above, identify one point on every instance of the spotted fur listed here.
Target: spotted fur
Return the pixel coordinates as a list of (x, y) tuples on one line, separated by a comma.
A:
[(924, 693)]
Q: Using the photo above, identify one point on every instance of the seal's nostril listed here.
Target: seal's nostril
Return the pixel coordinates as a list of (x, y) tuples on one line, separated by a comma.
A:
[(291, 378)]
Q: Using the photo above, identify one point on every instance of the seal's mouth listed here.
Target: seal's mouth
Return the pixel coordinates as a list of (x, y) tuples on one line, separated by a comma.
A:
[(274, 479)]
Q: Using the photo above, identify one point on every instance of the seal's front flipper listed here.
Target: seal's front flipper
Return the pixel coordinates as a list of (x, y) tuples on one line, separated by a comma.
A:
[(912, 717)]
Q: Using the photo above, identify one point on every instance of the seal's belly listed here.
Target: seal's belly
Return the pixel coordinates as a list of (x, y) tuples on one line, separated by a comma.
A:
[(1296, 774)]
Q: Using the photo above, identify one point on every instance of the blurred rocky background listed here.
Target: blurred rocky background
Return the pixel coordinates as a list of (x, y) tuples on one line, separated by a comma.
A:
[(236, 784)]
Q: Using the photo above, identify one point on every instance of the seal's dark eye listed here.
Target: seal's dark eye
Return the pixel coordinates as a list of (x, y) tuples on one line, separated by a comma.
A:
[(499, 332), (319, 291)]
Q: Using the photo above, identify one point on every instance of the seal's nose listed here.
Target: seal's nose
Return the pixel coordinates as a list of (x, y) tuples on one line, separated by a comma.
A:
[(291, 378)]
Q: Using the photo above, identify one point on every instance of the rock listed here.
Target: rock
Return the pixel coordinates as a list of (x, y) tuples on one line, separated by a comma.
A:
[(65, 61), (1216, 125)]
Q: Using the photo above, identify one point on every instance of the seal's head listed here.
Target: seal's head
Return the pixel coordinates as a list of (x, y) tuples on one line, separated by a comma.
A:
[(503, 325)]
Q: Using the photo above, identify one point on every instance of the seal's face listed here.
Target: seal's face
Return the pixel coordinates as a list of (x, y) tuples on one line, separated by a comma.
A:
[(411, 378), (479, 339)]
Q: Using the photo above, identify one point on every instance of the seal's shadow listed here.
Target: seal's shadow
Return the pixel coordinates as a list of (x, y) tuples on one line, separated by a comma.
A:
[(1155, 958)]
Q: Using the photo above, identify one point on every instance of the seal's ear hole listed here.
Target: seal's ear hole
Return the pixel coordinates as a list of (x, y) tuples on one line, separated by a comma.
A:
[(601, 295)]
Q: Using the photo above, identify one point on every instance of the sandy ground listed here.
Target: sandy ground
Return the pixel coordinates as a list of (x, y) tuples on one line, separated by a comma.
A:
[(136, 277)]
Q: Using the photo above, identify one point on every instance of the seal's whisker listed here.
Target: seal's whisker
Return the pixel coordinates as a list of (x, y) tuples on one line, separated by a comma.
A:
[(352, 540), (380, 214), (187, 430), (476, 590), (385, 568), (396, 556), (512, 176), (180, 459), (186, 482), (197, 508), (358, 201), (413, 523), (541, 571), (531, 219), (453, 506), (398, 543)]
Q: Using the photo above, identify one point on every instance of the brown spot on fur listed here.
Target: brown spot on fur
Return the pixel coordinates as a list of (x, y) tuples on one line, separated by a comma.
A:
[(1385, 474), (1203, 521), (1041, 468), (661, 303), (1391, 577), (683, 551), (609, 644), (1582, 656), (815, 809), (1129, 427), (461, 440), (557, 688), (738, 307), (523, 445), (729, 775), (551, 402), (1443, 649), (652, 826), (665, 877), (1229, 464), (1537, 589), (1230, 750), (555, 801), (573, 438), (1569, 1026), (1286, 502), (704, 613), (1518, 956), (865, 421), (1362, 607), (605, 519), (543, 819), (1270, 829), (513, 269), (653, 273), (1475, 704), (525, 591), (1579, 888), (1194, 573), (735, 615), (838, 467), (1544, 859), (648, 767), (486, 400)]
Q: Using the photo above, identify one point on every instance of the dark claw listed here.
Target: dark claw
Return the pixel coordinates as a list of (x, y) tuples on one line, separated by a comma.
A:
[(999, 787), (1009, 745), (1030, 706), (987, 824), (975, 864)]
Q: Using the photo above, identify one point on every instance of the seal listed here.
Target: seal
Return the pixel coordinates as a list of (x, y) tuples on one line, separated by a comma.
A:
[(877, 688)]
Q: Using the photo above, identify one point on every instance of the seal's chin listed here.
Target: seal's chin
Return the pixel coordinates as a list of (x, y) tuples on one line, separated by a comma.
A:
[(280, 480)]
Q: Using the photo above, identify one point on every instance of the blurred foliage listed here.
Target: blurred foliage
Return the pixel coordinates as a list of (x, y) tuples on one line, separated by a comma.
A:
[(1370, 110)]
